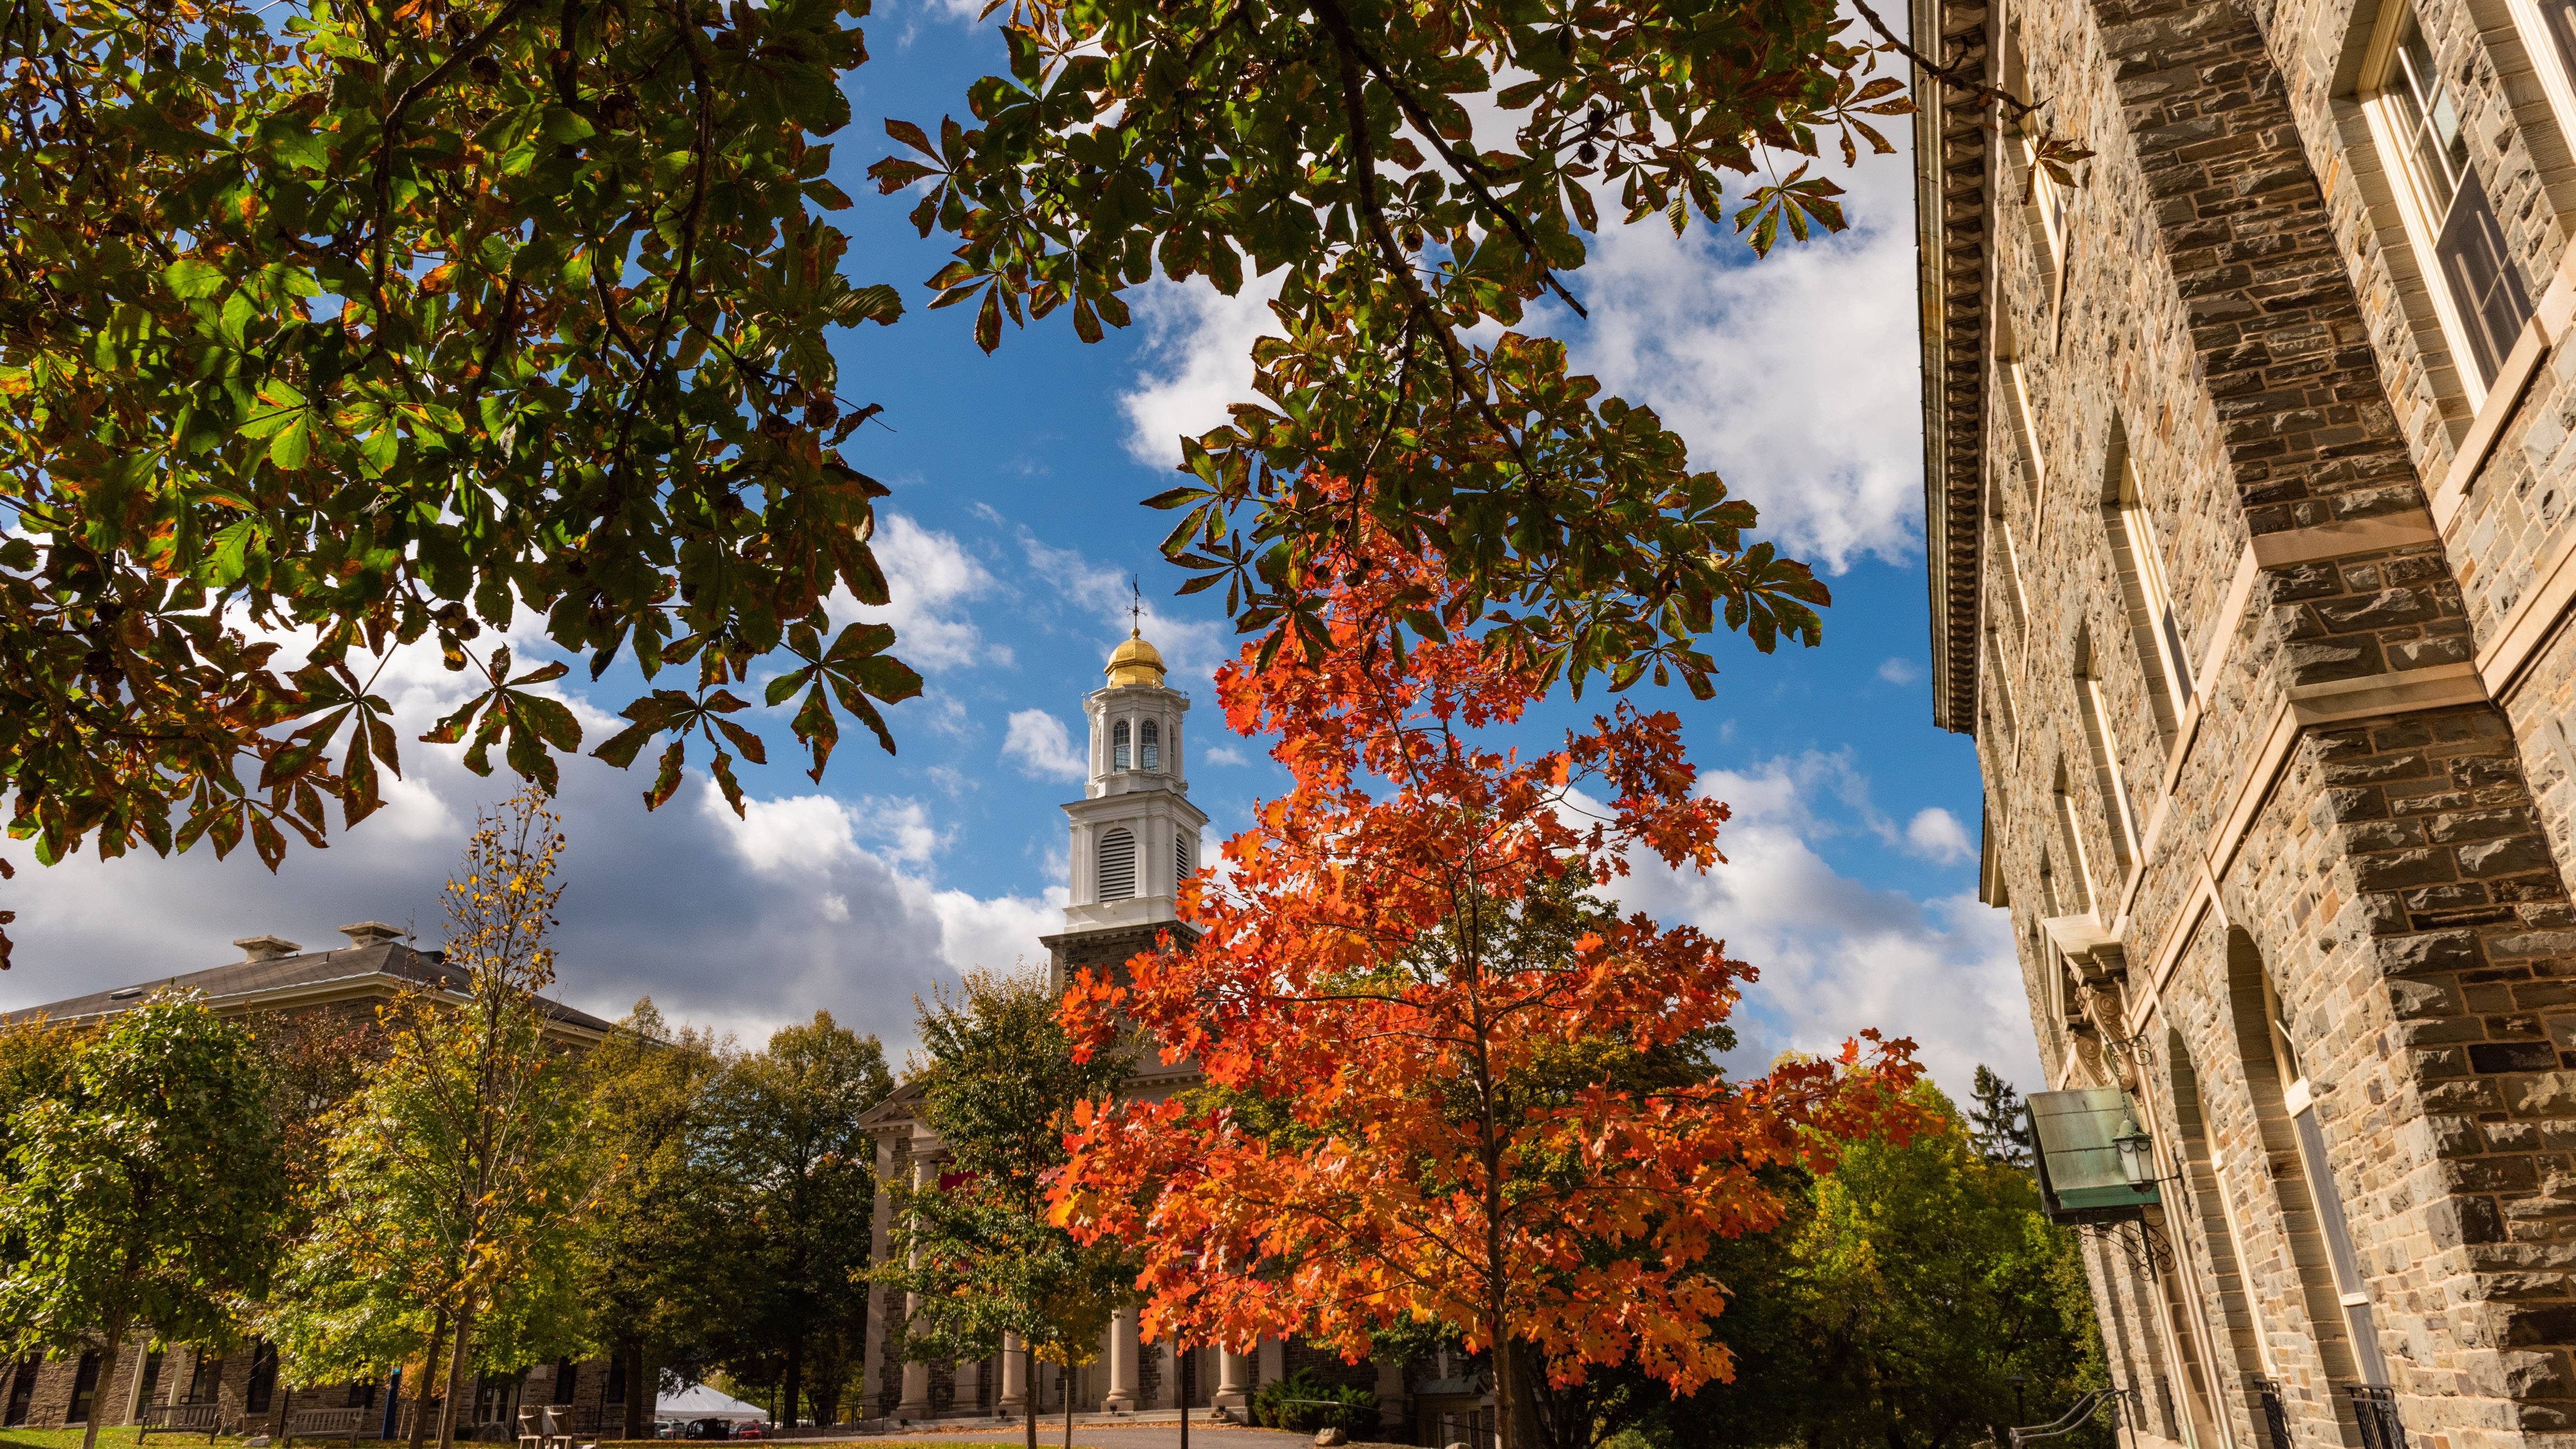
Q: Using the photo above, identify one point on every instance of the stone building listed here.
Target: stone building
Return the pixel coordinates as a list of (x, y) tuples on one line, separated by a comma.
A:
[(1135, 835), (2248, 473), (278, 979)]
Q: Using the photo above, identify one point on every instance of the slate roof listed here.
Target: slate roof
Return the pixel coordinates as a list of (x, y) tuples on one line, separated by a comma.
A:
[(378, 969)]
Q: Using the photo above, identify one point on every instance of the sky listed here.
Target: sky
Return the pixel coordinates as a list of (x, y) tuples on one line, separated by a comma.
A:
[(1013, 530)]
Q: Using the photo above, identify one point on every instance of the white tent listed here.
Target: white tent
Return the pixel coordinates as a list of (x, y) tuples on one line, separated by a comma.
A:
[(697, 1401)]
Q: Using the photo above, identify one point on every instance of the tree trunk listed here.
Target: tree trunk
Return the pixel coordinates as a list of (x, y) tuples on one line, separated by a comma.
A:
[(1183, 1380), (638, 1417), (99, 1391), (420, 1392), (1035, 1390), (1068, 1402), (457, 1355), (1507, 1397), (795, 1377)]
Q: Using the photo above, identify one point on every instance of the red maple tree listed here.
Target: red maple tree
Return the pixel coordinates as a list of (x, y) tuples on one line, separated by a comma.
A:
[(1446, 1079)]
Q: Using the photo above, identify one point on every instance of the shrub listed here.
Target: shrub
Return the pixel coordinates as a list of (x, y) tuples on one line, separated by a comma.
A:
[(1275, 1405)]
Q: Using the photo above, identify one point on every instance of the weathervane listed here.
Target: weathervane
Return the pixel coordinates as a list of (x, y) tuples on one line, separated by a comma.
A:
[(1136, 608)]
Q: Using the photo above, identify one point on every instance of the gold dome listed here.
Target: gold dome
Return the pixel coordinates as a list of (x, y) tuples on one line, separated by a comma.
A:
[(1135, 662)]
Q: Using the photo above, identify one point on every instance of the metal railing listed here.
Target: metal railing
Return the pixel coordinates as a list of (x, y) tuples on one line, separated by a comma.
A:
[(2270, 1413), (2374, 1412), (2072, 1420)]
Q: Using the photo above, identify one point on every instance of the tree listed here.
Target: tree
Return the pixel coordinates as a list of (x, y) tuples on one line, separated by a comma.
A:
[(664, 1260), (361, 326), (787, 1130), (1999, 1131), (460, 1173), (349, 328), (1913, 1285), (974, 1247), (316, 1061), (144, 1191), (1386, 963), (1359, 153)]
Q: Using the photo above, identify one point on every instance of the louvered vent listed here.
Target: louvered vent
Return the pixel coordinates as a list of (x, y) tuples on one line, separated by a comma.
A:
[(1117, 865), (1180, 859)]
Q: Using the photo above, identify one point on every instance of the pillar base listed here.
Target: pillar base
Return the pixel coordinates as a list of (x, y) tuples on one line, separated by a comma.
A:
[(1118, 1404), (910, 1409)]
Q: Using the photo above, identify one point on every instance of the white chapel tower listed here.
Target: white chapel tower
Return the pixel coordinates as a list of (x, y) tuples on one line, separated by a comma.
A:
[(1135, 832)]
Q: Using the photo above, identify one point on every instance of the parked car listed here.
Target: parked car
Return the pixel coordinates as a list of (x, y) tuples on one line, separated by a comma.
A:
[(707, 1429), (750, 1429)]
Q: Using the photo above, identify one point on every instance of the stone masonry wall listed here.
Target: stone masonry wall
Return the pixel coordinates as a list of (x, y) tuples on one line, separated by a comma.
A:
[(2244, 340)]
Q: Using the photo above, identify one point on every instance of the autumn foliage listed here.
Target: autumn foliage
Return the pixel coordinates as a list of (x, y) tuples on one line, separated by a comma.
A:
[(1446, 1079)]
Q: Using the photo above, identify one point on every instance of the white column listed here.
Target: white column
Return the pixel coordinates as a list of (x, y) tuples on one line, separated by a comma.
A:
[(1121, 1398), (916, 1376), (1015, 1377), (1233, 1380), (880, 1297), (134, 1381)]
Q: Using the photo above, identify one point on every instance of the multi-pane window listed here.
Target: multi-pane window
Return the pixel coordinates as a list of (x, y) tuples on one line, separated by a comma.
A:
[(2141, 556), (1118, 737), (2106, 763), (2351, 1290), (2075, 892), (1149, 745), (2474, 270), (2047, 196), (2025, 429)]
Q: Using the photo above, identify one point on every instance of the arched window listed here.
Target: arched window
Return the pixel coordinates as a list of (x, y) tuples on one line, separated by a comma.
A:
[(1180, 858), (1118, 854), (1149, 745), (1118, 745)]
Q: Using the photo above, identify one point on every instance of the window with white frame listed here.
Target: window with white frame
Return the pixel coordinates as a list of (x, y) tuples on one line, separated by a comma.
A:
[(2046, 196), (2075, 891), (2298, 1099), (2450, 222), (2105, 758), (2141, 556)]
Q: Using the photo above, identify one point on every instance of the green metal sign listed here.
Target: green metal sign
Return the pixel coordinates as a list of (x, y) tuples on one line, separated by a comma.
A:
[(2096, 1165)]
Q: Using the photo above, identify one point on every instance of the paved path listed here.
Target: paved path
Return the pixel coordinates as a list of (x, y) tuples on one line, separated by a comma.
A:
[(1096, 1434)]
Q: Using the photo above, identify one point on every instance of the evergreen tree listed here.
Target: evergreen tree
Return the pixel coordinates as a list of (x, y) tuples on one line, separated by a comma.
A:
[(1999, 1128)]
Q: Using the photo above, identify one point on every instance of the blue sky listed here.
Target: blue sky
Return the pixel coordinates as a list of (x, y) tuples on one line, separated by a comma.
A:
[(1012, 530)]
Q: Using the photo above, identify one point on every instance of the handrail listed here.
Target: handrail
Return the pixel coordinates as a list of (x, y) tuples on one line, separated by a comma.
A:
[(2072, 1420)]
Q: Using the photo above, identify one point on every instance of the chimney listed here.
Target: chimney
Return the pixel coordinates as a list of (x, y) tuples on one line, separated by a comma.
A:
[(371, 933), (265, 948)]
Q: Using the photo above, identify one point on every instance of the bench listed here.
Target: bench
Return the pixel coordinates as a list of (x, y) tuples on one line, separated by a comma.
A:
[(180, 1419), (324, 1424)]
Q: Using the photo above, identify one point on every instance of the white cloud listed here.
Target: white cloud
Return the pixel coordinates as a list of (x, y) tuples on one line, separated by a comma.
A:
[(1040, 746), (1837, 955), (1198, 360), (1191, 648), (1793, 376), (1224, 755), (930, 578), (1936, 834), (741, 924), (1900, 671)]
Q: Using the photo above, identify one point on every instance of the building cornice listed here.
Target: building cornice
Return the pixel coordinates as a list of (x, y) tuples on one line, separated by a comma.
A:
[(1950, 197)]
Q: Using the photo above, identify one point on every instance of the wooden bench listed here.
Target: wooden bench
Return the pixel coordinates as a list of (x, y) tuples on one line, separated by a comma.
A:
[(180, 1419), (324, 1424)]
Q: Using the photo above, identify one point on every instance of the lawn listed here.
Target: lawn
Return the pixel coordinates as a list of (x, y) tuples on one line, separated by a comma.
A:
[(124, 1439)]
